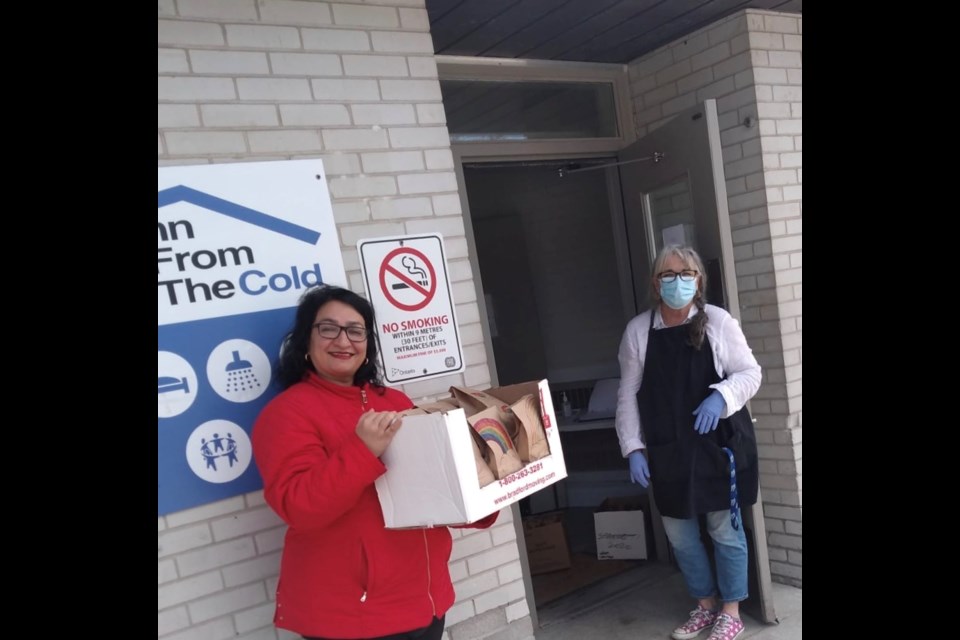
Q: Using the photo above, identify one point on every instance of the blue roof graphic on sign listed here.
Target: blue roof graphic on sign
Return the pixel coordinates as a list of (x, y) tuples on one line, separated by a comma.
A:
[(181, 193)]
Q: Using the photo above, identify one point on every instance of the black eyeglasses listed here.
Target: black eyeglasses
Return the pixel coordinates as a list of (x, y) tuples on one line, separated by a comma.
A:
[(331, 331), (687, 275)]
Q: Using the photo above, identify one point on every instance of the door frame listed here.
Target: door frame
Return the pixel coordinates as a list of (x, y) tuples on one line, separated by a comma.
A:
[(458, 67), (464, 154), (522, 70)]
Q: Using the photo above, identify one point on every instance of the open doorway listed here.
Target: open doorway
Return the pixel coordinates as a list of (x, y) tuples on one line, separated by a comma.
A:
[(555, 274), (564, 262)]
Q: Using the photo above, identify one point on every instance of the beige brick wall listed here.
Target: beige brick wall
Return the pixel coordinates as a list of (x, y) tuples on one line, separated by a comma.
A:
[(354, 83), (751, 63)]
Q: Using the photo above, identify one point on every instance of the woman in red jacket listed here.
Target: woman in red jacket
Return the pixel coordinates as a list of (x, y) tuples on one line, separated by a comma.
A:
[(317, 446)]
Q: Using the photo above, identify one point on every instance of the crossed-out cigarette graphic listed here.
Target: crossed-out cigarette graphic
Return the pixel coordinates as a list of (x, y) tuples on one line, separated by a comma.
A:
[(410, 264)]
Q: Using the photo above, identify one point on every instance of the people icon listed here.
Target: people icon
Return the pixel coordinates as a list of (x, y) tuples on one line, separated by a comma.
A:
[(227, 448)]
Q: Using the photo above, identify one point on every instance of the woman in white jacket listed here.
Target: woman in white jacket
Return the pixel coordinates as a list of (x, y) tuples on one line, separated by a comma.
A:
[(686, 373)]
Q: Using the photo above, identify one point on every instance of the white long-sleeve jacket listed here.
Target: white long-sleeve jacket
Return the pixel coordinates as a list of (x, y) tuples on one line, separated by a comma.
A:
[(732, 358)]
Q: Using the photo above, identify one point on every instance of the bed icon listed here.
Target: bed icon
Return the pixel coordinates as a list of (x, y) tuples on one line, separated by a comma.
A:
[(166, 384)]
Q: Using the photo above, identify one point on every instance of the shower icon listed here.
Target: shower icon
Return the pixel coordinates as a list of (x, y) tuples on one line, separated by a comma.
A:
[(240, 375), (238, 370)]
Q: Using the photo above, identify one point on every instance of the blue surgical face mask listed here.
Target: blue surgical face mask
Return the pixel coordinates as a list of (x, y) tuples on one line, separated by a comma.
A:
[(678, 294)]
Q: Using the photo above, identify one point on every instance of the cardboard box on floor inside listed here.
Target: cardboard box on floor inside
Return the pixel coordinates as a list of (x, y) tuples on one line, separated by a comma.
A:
[(621, 529), (431, 477), (546, 540)]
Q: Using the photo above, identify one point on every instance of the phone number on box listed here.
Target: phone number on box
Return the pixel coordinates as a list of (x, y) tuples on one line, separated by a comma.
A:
[(523, 473)]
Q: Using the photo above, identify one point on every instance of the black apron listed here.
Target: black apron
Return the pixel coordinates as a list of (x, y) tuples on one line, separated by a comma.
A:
[(689, 472)]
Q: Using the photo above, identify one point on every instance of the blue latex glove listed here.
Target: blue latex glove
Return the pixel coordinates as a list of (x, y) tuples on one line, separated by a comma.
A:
[(639, 471), (708, 413)]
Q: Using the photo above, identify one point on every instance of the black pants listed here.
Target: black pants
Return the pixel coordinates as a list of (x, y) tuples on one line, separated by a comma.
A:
[(432, 632)]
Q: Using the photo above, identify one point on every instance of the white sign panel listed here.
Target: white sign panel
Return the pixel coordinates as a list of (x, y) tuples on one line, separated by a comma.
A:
[(407, 284), (237, 244)]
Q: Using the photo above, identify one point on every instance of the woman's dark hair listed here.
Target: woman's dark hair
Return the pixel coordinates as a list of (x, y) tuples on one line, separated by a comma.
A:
[(294, 365)]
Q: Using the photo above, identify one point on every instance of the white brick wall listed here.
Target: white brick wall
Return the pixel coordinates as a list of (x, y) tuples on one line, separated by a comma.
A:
[(352, 82), (751, 63)]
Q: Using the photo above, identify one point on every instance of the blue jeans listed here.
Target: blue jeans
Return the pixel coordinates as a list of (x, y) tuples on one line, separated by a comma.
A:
[(730, 551)]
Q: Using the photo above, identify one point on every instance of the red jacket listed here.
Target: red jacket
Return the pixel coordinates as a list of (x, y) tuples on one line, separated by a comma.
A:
[(343, 574)]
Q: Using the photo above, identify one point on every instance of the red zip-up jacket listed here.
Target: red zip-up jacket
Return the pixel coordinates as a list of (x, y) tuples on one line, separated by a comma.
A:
[(343, 574)]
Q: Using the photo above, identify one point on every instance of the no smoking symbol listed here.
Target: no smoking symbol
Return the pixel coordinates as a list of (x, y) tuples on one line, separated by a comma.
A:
[(407, 279)]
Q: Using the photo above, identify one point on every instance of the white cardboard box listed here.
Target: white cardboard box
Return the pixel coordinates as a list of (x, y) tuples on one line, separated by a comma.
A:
[(431, 477), (620, 535)]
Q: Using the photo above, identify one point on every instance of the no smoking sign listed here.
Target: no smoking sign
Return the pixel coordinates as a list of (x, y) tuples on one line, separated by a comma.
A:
[(407, 284)]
